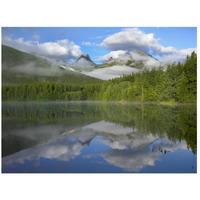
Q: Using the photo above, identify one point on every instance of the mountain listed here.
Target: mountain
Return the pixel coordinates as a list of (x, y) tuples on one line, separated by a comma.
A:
[(127, 64), (84, 58), (83, 63), (138, 60), (19, 67)]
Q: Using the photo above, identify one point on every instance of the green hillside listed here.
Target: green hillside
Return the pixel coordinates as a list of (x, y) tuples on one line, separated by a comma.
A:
[(12, 57), (16, 70)]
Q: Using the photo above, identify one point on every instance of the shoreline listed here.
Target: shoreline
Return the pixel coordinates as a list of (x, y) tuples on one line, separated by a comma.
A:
[(120, 102)]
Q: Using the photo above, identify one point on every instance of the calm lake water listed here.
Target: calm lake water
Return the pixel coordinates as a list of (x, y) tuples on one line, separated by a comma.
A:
[(95, 137)]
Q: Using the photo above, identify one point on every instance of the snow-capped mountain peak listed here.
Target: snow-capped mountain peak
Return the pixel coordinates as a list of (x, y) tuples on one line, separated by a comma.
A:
[(83, 63)]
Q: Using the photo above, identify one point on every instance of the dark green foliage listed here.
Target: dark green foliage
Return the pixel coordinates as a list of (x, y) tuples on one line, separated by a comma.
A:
[(178, 83), (50, 91)]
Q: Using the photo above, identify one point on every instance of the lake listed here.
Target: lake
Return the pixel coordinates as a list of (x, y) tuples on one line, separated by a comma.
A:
[(98, 137)]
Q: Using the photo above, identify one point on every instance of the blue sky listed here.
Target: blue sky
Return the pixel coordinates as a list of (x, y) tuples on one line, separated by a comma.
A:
[(179, 37), (101, 41)]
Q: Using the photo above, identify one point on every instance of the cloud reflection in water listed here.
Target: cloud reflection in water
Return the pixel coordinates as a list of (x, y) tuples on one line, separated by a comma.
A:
[(129, 149)]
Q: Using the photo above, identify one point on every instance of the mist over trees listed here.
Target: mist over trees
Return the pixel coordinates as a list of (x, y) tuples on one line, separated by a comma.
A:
[(178, 83)]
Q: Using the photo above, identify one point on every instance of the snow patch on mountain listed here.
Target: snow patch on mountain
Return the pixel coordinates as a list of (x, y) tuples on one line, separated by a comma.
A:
[(111, 72)]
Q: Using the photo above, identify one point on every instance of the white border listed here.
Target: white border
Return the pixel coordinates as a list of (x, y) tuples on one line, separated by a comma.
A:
[(100, 13)]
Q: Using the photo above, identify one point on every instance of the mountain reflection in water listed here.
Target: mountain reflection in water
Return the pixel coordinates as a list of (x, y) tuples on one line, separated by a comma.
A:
[(98, 137)]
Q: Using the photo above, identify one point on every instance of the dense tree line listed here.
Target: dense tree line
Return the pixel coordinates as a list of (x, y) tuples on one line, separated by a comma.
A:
[(50, 91), (177, 83)]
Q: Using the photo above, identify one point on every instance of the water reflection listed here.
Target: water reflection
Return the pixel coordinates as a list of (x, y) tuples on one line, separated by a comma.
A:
[(91, 138), (138, 154), (61, 148)]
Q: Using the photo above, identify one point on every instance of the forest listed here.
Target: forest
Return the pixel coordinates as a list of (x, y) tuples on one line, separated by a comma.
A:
[(176, 83)]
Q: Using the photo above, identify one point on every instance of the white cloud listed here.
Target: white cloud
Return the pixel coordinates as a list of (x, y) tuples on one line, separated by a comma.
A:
[(130, 39), (179, 56), (61, 49), (160, 50), (131, 160), (113, 54), (185, 52), (133, 39)]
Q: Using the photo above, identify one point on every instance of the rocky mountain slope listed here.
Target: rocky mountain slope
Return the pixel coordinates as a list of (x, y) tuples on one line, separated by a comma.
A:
[(83, 63)]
